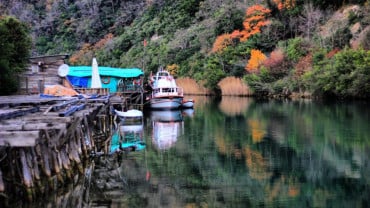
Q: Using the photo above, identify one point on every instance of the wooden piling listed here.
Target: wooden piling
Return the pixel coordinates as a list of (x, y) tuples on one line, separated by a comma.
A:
[(48, 139)]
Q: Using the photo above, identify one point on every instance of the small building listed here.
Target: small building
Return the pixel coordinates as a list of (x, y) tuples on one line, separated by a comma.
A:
[(125, 83), (117, 80), (41, 71)]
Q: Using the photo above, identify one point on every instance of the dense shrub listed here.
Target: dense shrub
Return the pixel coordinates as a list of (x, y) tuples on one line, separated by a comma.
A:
[(296, 48), (347, 74)]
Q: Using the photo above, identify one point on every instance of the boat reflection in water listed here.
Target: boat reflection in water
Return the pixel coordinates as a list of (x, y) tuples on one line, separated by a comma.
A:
[(189, 112), (167, 127), (129, 136)]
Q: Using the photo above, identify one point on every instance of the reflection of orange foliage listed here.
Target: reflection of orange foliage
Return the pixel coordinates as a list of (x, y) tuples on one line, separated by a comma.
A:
[(221, 144), (285, 4), (274, 190), (256, 164), (257, 58), (257, 130), (282, 188), (234, 105), (237, 153), (227, 148), (221, 42), (293, 191), (191, 205)]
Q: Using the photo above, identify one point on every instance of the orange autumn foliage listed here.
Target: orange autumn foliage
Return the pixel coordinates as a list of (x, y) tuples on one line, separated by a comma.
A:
[(256, 18), (276, 63), (173, 69), (88, 49), (221, 42), (276, 58), (235, 34), (332, 53), (304, 65), (285, 4), (255, 61), (102, 42), (49, 5), (77, 56)]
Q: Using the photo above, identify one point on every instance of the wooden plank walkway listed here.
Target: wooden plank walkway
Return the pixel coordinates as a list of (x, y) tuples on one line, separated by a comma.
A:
[(48, 137)]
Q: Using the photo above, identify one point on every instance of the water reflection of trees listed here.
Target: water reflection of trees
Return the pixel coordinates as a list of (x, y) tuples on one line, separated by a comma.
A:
[(292, 151), (288, 154)]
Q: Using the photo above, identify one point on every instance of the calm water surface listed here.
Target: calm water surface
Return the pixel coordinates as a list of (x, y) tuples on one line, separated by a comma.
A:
[(239, 152)]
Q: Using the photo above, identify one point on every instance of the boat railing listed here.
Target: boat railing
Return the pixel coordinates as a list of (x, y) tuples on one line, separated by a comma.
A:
[(174, 91)]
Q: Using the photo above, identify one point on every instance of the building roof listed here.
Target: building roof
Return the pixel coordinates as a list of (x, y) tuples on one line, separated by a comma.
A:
[(86, 71)]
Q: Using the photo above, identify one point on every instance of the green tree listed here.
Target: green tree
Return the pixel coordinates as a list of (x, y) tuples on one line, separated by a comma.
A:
[(14, 53), (296, 49), (212, 73), (347, 74)]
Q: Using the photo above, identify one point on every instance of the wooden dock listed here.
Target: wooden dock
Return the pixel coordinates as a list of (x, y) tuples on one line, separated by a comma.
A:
[(48, 138)]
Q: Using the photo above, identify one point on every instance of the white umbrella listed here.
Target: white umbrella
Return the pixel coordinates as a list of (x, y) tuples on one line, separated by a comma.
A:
[(95, 76)]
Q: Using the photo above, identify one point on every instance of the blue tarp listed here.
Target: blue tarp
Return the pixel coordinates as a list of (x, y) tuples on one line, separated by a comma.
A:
[(85, 71), (78, 81)]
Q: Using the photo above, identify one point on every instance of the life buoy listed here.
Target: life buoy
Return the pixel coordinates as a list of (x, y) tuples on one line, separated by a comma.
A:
[(105, 80), (136, 82)]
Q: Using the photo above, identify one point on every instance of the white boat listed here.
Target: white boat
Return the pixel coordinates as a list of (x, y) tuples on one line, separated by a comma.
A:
[(187, 103), (165, 92), (129, 114)]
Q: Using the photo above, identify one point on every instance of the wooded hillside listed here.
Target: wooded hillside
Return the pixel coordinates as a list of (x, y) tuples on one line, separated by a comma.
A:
[(278, 47)]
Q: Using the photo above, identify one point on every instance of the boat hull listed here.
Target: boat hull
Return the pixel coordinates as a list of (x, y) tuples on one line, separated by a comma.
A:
[(166, 115), (187, 104), (166, 103)]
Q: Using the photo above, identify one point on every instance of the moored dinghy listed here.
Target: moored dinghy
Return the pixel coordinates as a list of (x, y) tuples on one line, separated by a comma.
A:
[(130, 114), (188, 103)]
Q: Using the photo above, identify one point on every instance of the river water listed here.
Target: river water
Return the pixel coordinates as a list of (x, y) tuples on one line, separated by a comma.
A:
[(236, 152)]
